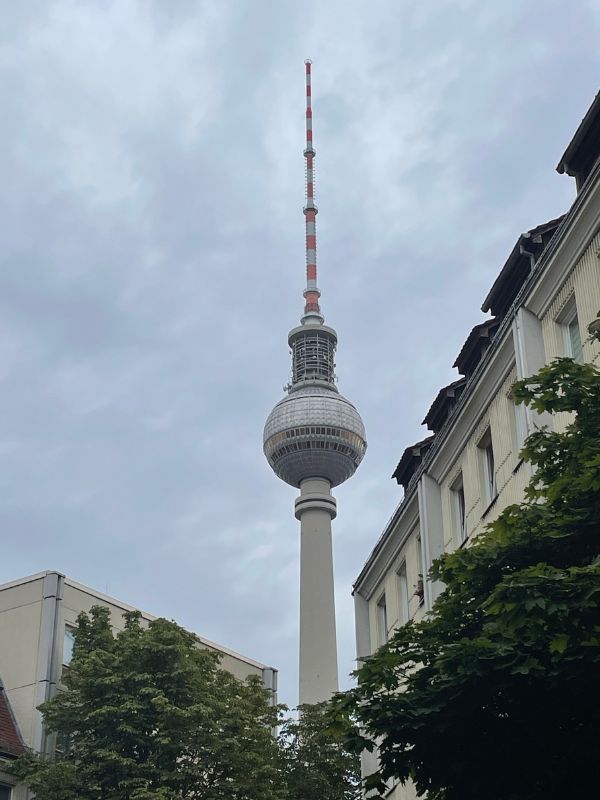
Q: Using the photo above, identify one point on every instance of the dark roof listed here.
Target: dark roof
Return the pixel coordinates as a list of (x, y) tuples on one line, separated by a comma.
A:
[(410, 458), (443, 404), (11, 743), (584, 148), (476, 343), (514, 273)]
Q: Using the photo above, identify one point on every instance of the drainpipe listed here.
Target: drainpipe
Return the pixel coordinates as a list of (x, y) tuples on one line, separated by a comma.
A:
[(47, 676)]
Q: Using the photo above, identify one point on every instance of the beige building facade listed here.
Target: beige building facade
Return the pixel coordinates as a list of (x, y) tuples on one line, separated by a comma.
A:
[(468, 470), (37, 618)]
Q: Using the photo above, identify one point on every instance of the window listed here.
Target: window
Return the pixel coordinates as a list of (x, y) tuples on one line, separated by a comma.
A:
[(68, 643), (459, 509), (63, 744), (488, 467), (403, 598), (572, 333), (4, 792), (420, 588), (517, 421), (382, 624)]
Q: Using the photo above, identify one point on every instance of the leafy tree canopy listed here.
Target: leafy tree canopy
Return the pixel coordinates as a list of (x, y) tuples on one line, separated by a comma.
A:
[(147, 715), (150, 716), (315, 764), (495, 694)]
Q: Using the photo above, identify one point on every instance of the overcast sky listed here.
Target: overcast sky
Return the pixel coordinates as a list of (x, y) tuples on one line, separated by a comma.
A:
[(152, 263)]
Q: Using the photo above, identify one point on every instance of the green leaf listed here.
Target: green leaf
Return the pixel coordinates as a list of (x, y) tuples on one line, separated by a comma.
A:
[(559, 643)]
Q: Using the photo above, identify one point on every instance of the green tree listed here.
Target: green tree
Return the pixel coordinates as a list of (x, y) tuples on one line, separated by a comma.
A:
[(314, 762), (150, 716), (495, 694)]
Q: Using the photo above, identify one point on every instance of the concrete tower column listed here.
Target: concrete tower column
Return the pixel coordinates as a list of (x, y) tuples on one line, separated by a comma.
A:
[(315, 508)]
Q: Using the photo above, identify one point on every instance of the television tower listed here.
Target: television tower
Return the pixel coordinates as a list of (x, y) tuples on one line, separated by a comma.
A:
[(314, 439)]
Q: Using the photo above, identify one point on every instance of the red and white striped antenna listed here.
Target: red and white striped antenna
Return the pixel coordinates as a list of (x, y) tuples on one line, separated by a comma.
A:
[(311, 293)]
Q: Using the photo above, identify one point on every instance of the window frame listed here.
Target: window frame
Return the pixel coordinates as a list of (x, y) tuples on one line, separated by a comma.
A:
[(382, 621), (569, 317), (487, 463), (403, 594), (459, 509), (68, 634), (420, 585)]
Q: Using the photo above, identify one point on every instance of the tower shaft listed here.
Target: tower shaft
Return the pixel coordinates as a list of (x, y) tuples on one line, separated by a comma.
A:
[(315, 508)]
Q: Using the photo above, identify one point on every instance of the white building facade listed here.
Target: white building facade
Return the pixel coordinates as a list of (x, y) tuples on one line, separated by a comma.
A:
[(37, 617), (462, 476)]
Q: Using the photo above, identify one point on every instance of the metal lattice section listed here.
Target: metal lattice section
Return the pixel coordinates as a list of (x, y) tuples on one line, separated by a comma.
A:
[(313, 357)]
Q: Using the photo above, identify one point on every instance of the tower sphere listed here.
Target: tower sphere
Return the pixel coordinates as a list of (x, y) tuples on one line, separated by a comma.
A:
[(314, 432)]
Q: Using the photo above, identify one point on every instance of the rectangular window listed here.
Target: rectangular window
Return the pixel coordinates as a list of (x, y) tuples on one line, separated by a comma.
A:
[(4, 792), (459, 509), (568, 321), (68, 643), (572, 336), (403, 597), (420, 586), (382, 622), (517, 418), (488, 467), (63, 743), (490, 471)]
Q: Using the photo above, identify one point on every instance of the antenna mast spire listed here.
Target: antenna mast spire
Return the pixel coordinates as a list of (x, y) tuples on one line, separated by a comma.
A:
[(311, 293)]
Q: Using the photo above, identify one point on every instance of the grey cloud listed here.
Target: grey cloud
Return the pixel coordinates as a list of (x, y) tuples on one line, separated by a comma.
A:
[(151, 264)]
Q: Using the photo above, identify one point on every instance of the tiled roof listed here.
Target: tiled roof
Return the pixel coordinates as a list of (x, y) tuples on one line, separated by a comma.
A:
[(475, 345), (410, 457), (442, 405), (11, 743), (517, 267), (584, 147)]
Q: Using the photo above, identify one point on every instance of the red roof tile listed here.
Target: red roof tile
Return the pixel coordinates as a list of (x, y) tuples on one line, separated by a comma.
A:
[(11, 743)]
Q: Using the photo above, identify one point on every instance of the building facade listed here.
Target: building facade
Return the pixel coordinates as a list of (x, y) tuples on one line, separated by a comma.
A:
[(37, 617), (468, 470)]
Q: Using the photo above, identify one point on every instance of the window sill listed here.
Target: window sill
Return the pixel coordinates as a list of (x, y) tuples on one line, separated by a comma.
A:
[(490, 506)]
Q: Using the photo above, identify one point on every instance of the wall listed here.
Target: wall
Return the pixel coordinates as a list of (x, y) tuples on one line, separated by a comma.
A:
[(390, 586), (511, 479), (583, 284), (33, 615), (20, 621), (18, 792)]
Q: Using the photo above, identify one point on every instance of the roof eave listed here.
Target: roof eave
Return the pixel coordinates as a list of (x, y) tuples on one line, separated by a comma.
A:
[(564, 165)]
